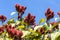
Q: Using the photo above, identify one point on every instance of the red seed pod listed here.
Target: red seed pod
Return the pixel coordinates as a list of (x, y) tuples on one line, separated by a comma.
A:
[(16, 6), (23, 8), (19, 33), (13, 32), (4, 18), (48, 11), (42, 30), (8, 26), (58, 13), (1, 30), (0, 17), (52, 23)]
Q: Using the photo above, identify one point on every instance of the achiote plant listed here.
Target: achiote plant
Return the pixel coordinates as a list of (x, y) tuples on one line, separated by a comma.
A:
[(27, 29)]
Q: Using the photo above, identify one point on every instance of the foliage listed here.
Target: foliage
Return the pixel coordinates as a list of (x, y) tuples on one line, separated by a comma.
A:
[(27, 29)]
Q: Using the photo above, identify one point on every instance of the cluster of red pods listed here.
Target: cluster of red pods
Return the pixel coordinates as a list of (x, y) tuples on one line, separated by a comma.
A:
[(16, 34), (13, 32), (30, 19), (49, 14), (20, 8)]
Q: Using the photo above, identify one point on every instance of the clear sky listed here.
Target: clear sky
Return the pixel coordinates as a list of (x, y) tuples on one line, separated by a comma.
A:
[(35, 7)]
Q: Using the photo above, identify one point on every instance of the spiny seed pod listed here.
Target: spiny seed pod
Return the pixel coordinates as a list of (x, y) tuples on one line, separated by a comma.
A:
[(20, 8), (30, 19), (49, 14)]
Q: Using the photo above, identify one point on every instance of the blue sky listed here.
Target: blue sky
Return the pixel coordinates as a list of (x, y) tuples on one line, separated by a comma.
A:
[(35, 7)]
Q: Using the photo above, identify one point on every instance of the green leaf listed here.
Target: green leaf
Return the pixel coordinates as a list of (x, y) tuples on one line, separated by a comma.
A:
[(17, 22), (42, 20), (20, 27), (9, 39), (11, 21)]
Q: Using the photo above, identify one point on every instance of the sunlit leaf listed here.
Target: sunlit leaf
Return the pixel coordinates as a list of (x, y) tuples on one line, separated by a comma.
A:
[(55, 36), (25, 33), (42, 20), (17, 22), (11, 21), (37, 27), (21, 27)]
